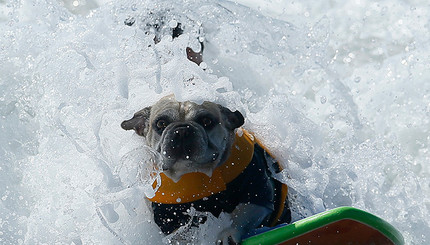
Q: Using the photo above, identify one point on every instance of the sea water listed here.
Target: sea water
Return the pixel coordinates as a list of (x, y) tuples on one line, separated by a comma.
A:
[(338, 90)]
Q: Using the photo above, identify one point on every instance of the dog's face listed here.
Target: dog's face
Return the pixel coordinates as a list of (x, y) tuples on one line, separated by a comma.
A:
[(190, 137)]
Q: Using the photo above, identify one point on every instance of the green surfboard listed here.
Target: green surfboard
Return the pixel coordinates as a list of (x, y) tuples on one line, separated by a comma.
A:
[(344, 225)]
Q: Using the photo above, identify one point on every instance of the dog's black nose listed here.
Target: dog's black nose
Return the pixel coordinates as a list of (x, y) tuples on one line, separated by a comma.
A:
[(183, 131)]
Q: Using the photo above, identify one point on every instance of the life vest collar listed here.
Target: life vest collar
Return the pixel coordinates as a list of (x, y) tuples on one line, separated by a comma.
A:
[(194, 186)]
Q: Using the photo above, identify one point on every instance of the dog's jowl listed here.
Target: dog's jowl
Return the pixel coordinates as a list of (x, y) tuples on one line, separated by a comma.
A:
[(210, 164)]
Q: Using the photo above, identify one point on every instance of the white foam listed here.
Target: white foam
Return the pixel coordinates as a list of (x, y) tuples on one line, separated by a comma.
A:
[(339, 92)]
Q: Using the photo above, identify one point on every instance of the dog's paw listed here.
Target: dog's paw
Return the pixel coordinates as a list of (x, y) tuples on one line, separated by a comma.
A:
[(229, 236)]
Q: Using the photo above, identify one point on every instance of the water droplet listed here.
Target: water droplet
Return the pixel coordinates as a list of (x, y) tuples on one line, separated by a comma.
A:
[(178, 200), (203, 65), (173, 23), (323, 99), (357, 79)]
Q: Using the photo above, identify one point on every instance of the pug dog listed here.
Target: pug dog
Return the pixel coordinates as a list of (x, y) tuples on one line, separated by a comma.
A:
[(210, 167)]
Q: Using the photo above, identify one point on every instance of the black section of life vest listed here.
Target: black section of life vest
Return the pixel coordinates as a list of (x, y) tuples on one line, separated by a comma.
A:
[(254, 185), (285, 216)]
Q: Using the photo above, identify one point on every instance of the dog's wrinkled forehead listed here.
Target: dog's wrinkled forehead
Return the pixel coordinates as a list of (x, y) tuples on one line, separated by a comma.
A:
[(182, 111)]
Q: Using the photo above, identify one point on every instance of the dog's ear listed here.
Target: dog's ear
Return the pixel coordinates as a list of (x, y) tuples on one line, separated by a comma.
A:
[(233, 119), (139, 122)]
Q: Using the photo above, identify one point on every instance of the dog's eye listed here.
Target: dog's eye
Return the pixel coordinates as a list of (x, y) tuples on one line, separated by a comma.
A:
[(161, 124), (206, 122)]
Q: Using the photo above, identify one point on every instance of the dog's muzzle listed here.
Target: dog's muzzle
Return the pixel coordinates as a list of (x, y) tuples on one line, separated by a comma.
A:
[(183, 142)]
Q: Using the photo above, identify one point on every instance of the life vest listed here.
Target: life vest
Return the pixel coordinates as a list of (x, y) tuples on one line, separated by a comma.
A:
[(195, 186)]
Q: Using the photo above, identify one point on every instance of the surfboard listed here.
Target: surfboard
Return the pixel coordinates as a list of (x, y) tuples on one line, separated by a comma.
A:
[(343, 225)]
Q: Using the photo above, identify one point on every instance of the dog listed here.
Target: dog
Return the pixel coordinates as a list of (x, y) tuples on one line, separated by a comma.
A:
[(211, 164)]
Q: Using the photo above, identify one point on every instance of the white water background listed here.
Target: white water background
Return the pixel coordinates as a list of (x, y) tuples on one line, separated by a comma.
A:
[(338, 90)]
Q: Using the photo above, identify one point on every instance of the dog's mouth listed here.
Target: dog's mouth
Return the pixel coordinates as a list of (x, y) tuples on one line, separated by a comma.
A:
[(181, 168), (187, 160), (175, 168)]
